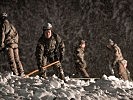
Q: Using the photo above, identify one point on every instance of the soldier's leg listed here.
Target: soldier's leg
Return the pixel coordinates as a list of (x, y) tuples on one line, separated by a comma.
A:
[(59, 71), (18, 62), (81, 69), (128, 73), (84, 72), (124, 75), (122, 71), (42, 72), (11, 60), (116, 71), (77, 74)]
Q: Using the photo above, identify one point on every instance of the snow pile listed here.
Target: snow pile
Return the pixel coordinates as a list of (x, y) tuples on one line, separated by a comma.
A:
[(36, 88)]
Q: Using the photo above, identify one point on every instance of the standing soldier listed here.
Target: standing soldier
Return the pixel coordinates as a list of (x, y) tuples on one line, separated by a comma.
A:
[(119, 62), (9, 42), (50, 48), (80, 63)]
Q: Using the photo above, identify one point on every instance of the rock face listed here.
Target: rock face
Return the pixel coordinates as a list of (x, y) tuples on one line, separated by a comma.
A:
[(93, 20)]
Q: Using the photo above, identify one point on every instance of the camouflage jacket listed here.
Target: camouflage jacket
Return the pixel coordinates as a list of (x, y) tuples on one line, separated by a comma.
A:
[(8, 34), (117, 54), (53, 47)]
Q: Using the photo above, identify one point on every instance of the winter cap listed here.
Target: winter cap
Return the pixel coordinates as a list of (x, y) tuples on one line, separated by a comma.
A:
[(47, 26), (82, 42), (111, 42), (4, 15)]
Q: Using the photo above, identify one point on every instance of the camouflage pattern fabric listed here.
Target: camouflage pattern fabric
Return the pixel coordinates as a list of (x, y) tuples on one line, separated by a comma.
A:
[(9, 39), (121, 62), (123, 72), (80, 63), (48, 51)]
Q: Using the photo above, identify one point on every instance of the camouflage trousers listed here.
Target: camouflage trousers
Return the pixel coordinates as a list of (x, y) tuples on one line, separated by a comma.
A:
[(81, 70), (14, 60), (57, 68), (123, 72)]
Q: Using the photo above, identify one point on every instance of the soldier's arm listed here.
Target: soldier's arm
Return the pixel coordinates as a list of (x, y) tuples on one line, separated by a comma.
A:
[(118, 53), (2, 37), (16, 38), (117, 49), (14, 34), (61, 48), (114, 63), (39, 54)]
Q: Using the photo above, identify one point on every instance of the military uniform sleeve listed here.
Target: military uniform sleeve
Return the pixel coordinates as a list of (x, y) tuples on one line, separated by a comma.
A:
[(117, 49), (16, 38), (14, 35), (2, 37), (118, 53), (39, 54), (61, 48)]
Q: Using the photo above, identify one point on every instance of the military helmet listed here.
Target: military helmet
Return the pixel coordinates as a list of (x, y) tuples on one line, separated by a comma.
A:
[(47, 26), (82, 42), (3, 15), (111, 42)]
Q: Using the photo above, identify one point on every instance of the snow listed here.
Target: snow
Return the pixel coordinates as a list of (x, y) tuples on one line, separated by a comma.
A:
[(36, 88)]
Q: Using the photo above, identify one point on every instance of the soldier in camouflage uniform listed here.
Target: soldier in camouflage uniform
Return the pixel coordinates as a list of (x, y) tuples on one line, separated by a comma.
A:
[(9, 42), (120, 64), (50, 48), (80, 63)]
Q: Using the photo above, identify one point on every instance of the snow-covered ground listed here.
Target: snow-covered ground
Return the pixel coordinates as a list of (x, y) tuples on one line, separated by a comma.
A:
[(35, 88)]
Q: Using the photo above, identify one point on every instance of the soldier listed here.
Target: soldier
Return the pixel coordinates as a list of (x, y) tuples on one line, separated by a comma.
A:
[(9, 43), (80, 63), (119, 62), (50, 48)]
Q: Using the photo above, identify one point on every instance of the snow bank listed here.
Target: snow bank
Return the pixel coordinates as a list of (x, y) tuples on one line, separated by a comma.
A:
[(36, 88)]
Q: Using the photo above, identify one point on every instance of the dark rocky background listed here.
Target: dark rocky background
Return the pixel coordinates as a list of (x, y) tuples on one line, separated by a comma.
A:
[(93, 20)]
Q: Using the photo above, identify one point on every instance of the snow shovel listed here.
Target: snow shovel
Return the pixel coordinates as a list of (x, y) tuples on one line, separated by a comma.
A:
[(42, 67)]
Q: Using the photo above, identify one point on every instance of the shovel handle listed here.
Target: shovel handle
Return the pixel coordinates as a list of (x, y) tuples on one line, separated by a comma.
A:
[(27, 75)]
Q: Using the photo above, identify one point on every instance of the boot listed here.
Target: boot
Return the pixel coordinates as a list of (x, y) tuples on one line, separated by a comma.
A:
[(13, 68), (15, 71), (84, 73), (61, 75), (21, 71), (22, 74), (42, 73)]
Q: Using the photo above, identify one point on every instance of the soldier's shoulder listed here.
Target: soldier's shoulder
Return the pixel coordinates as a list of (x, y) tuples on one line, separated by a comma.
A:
[(40, 40), (57, 37), (12, 27), (6, 22), (77, 49)]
